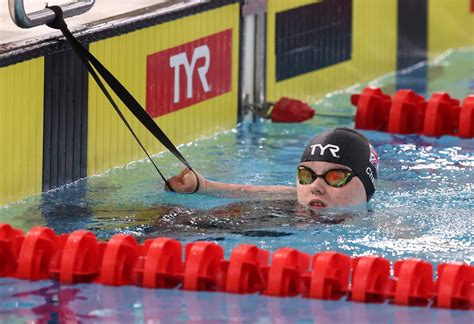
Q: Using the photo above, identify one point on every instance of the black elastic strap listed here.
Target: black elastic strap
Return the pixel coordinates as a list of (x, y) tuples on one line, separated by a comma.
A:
[(197, 182), (91, 62)]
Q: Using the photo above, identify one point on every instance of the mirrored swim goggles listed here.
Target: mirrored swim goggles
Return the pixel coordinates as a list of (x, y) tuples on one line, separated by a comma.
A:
[(336, 178)]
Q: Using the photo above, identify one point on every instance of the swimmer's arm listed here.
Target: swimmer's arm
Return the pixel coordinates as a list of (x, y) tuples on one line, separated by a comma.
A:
[(186, 182), (231, 190)]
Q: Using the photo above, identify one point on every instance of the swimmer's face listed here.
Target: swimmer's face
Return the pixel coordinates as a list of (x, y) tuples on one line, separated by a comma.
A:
[(319, 194)]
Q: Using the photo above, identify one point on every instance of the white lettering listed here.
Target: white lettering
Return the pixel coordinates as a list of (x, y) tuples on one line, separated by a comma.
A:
[(175, 62), (332, 148), (181, 59), (203, 51), (370, 174)]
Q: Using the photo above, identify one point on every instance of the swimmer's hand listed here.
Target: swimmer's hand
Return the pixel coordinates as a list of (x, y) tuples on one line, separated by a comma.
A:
[(186, 182)]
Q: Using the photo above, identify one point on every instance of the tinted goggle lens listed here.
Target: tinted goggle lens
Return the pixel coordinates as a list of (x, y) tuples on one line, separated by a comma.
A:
[(335, 178)]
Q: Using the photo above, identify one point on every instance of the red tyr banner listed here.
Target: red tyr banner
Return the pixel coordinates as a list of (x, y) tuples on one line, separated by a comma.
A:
[(184, 75)]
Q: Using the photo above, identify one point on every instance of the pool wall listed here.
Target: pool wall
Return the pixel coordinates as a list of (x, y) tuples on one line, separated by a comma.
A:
[(55, 127), (357, 41)]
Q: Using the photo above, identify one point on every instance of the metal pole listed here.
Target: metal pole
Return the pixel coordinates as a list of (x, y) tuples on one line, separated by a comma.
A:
[(44, 16)]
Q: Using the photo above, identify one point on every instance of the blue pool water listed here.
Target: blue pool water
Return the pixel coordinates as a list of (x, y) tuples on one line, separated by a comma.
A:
[(423, 208)]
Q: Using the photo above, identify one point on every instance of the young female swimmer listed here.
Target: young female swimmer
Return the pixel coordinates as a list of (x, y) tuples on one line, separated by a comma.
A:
[(338, 168)]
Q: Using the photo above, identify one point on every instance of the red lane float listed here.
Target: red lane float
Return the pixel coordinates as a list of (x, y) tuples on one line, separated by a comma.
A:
[(10, 244), (455, 286), (466, 118), (373, 108), (201, 271), (287, 110), (414, 283), (409, 113), (330, 276), (79, 259), (243, 272), (119, 258), (36, 253), (370, 279), (157, 263), (284, 274), (441, 116), (161, 266)]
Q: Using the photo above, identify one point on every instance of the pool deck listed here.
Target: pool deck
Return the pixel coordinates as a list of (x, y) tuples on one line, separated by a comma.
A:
[(102, 13)]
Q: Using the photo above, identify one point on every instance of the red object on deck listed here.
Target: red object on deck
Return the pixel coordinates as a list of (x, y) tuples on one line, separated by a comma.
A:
[(466, 118), (442, 115), (373, 107), (414, 285), (407, 113), (284, 275), (288, 110)]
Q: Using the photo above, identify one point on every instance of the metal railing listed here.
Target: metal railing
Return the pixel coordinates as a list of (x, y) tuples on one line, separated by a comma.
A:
[(44, 16)]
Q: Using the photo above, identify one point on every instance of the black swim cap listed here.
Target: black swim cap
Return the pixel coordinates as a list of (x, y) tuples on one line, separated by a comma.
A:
[(347, 147)]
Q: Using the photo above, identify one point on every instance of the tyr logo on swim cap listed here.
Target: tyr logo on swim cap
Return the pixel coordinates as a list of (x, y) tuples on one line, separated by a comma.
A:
[(332, 148), (347, 147)]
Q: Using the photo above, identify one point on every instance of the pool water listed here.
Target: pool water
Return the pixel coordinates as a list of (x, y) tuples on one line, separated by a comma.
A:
[(423, 208)]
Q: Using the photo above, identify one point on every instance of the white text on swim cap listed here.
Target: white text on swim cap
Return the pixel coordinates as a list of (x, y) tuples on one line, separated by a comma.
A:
[(332, 148), (370, 174)]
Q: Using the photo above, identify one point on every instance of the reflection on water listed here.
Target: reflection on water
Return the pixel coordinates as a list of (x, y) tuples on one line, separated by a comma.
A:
[(241, 218), (49, 302)]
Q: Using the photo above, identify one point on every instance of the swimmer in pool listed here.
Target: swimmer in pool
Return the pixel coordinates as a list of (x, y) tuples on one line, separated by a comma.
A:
[(338, 168)]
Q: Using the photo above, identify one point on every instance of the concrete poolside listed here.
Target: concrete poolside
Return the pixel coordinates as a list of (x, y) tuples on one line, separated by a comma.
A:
[(101, 12)]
